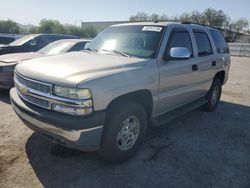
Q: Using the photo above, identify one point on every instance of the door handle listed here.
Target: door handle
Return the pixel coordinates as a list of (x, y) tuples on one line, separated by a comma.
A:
[(194, 67), (214, 63)]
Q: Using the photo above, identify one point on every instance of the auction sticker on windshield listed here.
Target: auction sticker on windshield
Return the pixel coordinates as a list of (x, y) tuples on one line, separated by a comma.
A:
[(152, 28)]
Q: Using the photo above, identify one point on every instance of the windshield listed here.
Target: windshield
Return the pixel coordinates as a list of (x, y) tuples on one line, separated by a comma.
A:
[(137, 40), (22, 40), (56, 47)]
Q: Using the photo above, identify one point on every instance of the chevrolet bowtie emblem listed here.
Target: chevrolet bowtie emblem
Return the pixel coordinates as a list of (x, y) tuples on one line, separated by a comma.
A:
[(23, 90)]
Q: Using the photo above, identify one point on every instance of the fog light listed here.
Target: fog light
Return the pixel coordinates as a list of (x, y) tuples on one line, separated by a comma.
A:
[(71, 110)]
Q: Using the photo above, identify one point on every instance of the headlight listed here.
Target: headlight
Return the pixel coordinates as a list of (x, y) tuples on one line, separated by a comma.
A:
[(72, 93)]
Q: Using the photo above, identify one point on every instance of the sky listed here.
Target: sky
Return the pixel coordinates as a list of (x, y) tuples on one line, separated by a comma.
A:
[(74, 11)]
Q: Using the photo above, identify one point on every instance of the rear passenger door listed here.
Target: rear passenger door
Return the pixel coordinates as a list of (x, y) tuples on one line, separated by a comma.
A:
[(177, 77), (205, 59)]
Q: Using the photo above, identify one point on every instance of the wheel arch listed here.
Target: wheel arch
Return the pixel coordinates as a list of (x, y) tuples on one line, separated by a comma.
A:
[(220, 75), (143, 97)]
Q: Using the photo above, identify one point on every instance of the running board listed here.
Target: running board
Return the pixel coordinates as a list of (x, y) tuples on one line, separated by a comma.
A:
[(180, 111)]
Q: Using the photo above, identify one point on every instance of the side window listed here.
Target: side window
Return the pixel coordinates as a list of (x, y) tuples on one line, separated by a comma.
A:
[(78, 46), (50, 39), (203, 43), (6, 40), (180, 39), (38, 43), (219, 42)]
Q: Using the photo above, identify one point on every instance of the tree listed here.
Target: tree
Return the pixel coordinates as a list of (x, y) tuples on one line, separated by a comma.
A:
[(164, 17), (212, 17), (154, 17), (194, 16), (90, 32), (140, 16), (239, 25), (9, 26), (215, 18), (54, 26), (50, 26)]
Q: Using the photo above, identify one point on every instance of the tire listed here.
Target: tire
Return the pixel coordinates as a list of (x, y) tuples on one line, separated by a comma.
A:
[(116, 147), (213, 96)]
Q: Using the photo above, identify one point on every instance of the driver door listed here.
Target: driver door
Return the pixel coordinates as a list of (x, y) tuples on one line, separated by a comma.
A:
[(178, 78)]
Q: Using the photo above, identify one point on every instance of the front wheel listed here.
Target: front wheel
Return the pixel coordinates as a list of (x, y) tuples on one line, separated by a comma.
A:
[(213, 96), (124, 131)]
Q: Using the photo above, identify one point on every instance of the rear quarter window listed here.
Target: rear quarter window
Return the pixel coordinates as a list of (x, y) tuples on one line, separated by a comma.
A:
[(220, 42)]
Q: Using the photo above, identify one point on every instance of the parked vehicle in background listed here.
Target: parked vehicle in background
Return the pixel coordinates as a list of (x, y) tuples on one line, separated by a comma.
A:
[(9, 61), (4, 39), (8, 38), (32, 43), (102, 99)]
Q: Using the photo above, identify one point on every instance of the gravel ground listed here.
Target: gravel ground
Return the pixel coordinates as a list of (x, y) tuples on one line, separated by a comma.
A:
[(197, 150)]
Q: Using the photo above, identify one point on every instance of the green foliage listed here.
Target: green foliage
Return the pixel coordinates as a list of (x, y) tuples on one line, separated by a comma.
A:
[(140, 16), (50, 26), (211, 17), (54, 26), (9, 26), (216, 18), (239, 25)]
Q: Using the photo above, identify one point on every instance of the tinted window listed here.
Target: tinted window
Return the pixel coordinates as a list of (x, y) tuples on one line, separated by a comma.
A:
[(6, 40), (220, 42), (180, 39), (36, 44), (79, 46), (50, 39), (203, 43)]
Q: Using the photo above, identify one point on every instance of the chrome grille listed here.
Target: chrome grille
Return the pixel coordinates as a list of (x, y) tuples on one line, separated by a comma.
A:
[(38, 86), (26, 88), (36, 101)]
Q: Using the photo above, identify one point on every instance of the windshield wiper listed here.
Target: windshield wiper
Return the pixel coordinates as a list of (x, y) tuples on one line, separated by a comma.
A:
[(117, 52)]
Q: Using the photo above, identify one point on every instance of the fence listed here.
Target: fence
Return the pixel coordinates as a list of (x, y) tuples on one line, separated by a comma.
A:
[(239, 49)]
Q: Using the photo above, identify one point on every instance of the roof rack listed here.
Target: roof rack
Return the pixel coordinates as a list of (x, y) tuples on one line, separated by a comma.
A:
[(195, 23), (157, 21)]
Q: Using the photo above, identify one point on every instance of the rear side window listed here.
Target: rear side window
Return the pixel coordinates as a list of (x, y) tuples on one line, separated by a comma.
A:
[(219, 42), (180, 39), (79, 46), (203, 43)]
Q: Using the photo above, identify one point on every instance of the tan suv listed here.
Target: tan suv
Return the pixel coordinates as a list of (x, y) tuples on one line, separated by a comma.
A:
[(104, 97)]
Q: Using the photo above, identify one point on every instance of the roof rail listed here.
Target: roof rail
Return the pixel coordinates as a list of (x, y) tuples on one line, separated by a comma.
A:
[(195, 23)]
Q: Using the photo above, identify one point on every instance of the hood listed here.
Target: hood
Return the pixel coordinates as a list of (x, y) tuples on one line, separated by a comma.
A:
[(73, 68), (16, 57)]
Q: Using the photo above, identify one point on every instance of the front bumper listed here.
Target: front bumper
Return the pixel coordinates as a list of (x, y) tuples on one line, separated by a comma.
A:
[(83, 133)]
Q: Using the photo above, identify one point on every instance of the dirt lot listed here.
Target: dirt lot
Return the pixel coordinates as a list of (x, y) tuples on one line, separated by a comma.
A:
[(198, 150)]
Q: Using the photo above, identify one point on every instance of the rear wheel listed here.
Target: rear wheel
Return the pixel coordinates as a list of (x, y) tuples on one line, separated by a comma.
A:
[(213, 96), (124, 131)]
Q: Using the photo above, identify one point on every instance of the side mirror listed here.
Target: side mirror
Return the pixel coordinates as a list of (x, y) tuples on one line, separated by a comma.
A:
[(179, 53)]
